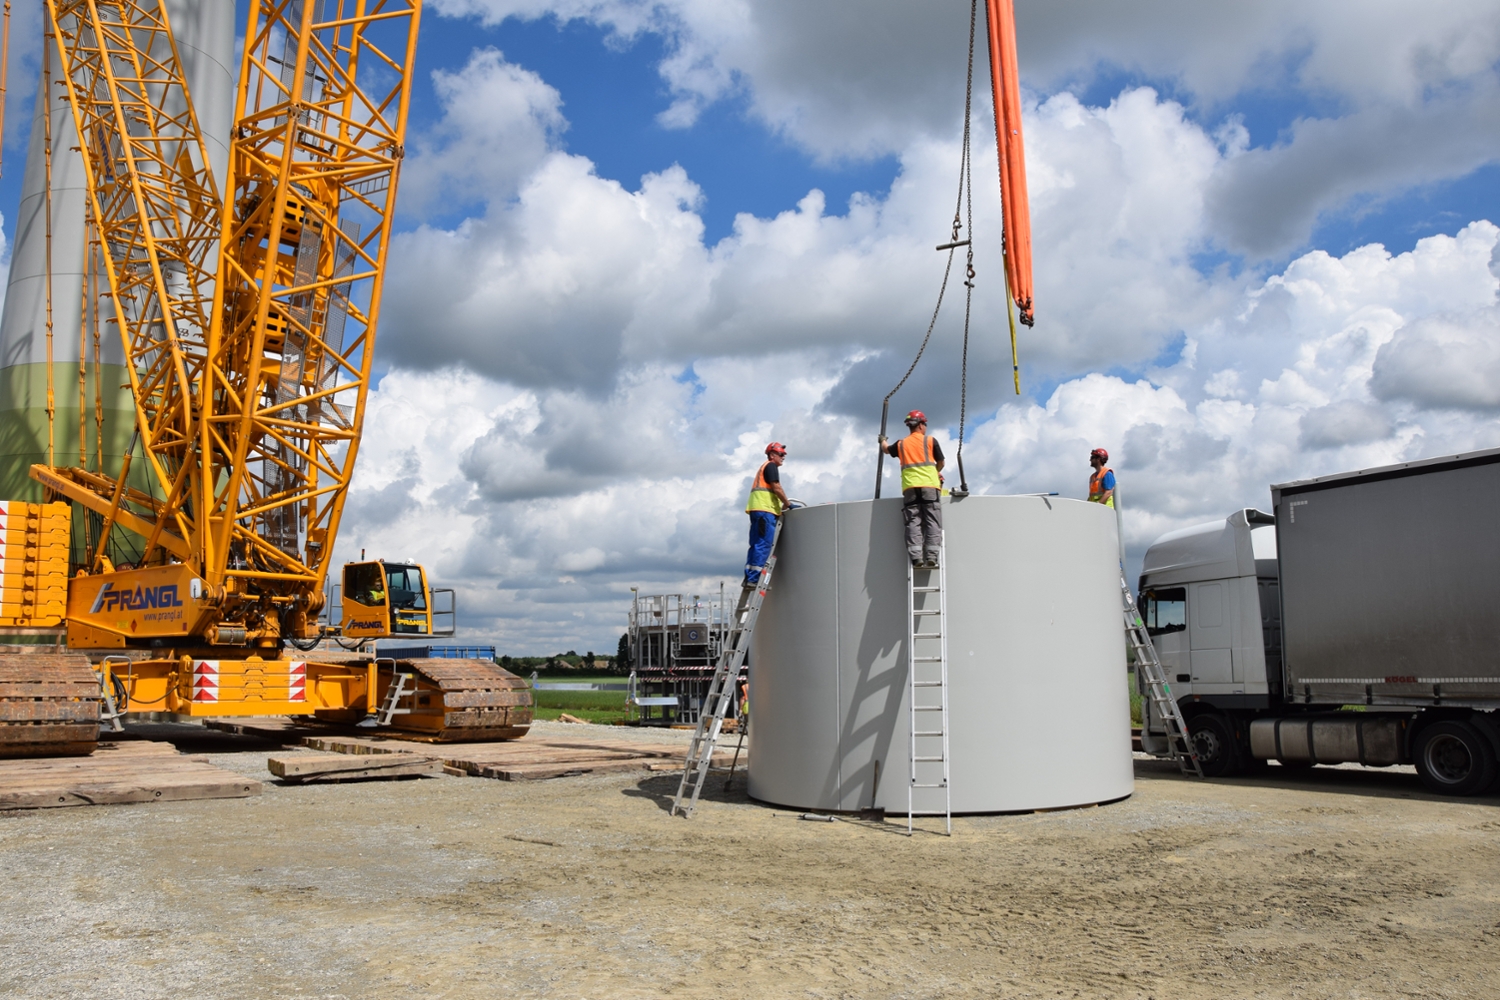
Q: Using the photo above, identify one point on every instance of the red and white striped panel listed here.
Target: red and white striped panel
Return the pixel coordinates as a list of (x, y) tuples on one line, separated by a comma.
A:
[(205, 680)]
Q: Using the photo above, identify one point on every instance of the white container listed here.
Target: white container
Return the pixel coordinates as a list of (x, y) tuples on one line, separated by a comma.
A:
[(1039, 702)]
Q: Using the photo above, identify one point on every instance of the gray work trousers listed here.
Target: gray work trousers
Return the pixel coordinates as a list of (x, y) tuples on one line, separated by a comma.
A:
[(923, 513)]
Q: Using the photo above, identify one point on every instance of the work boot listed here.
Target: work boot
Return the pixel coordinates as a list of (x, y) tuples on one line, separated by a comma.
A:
[(931, 562)]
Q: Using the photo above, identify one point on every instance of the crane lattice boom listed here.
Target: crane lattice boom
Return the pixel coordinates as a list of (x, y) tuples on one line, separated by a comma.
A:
[(248, 320)]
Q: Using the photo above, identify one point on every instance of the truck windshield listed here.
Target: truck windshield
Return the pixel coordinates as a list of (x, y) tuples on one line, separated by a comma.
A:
[(1165, 610)]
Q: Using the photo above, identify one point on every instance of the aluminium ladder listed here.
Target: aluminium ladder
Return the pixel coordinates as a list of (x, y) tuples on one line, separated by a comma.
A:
[(927, 676), (721, 689), (1159, 700)]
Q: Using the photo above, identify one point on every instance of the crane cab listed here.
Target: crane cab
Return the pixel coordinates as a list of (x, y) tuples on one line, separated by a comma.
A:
[(383, 598)]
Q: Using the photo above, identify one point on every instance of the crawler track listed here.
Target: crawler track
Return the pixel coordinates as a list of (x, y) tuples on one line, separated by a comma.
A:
[(458, 700), (49, 705)]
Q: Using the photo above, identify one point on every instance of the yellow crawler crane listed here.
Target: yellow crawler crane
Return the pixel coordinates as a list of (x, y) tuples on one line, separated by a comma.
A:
[(248, 323)]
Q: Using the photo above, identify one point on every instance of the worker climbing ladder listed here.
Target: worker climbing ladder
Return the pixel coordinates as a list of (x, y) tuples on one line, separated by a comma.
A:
[(1159, 700), (721, 689), (927, 677)]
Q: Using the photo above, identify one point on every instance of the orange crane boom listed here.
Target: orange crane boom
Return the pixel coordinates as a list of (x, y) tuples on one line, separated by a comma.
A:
[(1005, 78)]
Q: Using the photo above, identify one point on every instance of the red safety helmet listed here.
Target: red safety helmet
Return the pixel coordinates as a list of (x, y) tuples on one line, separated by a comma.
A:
[(775, 448), (915, 417), (1100, 454)]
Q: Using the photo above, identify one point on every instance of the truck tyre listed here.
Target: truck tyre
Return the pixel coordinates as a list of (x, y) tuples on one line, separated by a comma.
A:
[(1454, 758), (1213, 738)]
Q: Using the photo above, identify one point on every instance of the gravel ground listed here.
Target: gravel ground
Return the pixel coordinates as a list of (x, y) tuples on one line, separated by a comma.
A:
[(1325, 883)]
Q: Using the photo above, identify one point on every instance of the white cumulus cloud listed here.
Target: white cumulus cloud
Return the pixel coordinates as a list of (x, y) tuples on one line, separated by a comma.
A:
[(581, 386)]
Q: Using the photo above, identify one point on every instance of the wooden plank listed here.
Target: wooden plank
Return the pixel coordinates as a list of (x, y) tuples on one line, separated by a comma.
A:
[(108, 759), (135, 748), (537, 772), (360, 745), (276, 728), (351, 767), (121, 772), (521, 760), (464, 734)]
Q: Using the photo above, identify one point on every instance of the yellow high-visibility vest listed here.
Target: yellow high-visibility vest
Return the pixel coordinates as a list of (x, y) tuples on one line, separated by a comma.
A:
[(918, 468), (761, 497)]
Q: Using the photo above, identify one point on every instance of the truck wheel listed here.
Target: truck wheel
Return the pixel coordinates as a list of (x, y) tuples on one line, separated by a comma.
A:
[(1454, 758), (1213, 738)]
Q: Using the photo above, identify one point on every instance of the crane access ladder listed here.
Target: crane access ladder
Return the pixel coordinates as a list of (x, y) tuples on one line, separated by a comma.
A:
[(720, 694), (1159, 700), (927, 679)]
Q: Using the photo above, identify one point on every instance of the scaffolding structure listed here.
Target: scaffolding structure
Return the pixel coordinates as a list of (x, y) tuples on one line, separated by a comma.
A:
[(675, 642)]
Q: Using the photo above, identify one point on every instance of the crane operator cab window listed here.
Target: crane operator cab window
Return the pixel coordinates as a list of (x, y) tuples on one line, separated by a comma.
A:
[(407, 595), (363, 582)]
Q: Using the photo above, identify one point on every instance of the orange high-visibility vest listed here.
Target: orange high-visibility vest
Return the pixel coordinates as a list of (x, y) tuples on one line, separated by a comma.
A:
[(918, 468), (1096, 488), (761, 497)]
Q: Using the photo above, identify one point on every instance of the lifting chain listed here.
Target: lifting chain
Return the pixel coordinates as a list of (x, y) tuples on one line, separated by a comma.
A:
[(963, 218)]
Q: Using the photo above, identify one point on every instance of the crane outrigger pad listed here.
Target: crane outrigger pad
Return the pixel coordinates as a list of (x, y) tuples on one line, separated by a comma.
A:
[(49, 705)]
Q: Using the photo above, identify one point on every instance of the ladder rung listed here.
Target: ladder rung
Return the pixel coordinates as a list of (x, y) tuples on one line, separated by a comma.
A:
[(926, 590), (921, 612), (936, 733), (928, 760), (927, 708), (927, 659), (927, 684), (926, 784)]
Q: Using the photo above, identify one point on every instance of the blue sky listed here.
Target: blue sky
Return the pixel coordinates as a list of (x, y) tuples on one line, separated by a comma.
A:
[(612, 94)]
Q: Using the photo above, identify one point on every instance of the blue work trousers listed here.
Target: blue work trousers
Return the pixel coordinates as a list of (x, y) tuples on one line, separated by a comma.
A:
[(762, 530)]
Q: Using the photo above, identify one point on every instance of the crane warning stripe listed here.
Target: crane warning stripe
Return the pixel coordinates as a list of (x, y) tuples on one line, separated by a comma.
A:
[(297, 681)]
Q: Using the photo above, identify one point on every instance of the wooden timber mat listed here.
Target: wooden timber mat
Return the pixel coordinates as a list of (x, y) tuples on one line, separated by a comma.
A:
[(532, 758), (305, 768), (118, 772), (284, 729), (292, 730)]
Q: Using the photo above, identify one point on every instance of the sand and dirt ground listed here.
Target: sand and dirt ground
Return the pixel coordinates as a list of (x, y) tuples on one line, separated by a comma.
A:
[(1326, 883)]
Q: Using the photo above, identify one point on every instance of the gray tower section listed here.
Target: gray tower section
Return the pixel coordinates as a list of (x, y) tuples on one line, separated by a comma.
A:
[(1039, 707), (204, 30)]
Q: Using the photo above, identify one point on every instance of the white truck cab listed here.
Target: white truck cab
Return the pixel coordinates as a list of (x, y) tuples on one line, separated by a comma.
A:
[(1211, 612)]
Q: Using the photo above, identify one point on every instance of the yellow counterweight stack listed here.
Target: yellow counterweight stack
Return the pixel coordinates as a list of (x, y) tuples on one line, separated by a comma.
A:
[(33, 563)]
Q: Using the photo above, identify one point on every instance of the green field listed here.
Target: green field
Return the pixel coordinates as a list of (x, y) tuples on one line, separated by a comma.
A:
[(596, 706), (609, 706)]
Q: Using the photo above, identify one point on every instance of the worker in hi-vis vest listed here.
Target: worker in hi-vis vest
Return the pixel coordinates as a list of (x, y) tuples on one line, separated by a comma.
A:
[(767, 501), (921, 490), (1102, 482)]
